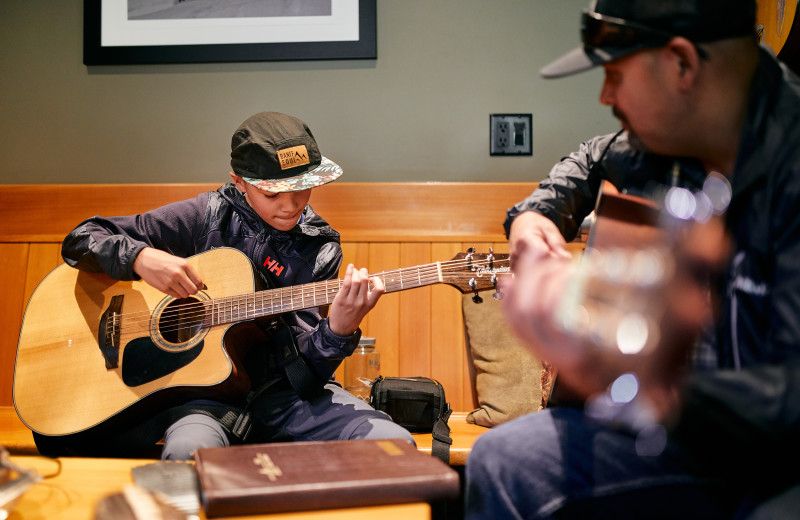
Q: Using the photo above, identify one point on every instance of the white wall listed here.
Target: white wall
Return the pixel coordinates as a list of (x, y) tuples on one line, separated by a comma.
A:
[(419, 112)]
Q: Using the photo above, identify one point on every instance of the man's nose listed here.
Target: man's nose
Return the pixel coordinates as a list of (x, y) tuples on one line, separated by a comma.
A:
[(607, 94)]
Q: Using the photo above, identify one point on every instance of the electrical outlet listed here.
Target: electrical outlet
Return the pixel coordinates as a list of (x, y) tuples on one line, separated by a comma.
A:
[(502, 129), (510, 134)]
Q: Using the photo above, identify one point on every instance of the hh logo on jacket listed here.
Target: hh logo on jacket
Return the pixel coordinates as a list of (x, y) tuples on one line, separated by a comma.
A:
[(273, 266)]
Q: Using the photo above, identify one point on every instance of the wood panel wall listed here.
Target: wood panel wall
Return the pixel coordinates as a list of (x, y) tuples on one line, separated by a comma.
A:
[(384, 226)]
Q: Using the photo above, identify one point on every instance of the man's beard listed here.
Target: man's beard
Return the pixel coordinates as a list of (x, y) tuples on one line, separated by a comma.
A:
[(633, 139)]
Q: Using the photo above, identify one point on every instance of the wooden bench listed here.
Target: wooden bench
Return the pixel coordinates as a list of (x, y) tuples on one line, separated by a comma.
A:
[(384, 226), (18, 439), (463, 434), (14, 435)]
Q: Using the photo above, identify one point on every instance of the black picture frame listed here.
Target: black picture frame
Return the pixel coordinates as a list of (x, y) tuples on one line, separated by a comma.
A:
[(94, 53)]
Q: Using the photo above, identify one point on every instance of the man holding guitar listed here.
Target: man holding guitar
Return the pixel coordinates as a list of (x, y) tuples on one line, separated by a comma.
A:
[(263, 213), (693, 92)]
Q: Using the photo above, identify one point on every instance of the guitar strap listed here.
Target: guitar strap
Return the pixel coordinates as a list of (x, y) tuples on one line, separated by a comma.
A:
[(239, 422), (304, 381)]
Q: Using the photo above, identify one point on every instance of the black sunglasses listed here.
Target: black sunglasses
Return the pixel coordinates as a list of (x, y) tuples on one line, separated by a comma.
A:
[(598, 31)]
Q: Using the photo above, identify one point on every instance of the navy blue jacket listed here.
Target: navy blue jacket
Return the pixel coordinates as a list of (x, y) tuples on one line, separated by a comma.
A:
[(309, 252)]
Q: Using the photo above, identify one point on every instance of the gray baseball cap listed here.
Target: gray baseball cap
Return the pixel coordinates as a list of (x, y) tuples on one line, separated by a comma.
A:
[(612, 29)]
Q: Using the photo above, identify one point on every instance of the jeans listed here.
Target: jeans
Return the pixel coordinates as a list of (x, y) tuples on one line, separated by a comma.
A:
[(557, 463), (283, 417)]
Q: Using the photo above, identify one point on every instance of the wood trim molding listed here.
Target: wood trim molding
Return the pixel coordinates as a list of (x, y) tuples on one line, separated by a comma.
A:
[(361, 212)]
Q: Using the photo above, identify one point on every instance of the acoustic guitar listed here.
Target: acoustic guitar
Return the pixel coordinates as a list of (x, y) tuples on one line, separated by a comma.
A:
[(94, 351), (638, 298), (776, 27)]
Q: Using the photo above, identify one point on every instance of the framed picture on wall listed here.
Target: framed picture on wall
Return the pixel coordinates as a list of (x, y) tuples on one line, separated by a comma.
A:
[(118, 32)]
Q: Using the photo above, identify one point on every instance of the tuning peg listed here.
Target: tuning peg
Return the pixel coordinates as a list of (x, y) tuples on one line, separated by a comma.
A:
[(497, 294), (474, 285), (470, 253), (490, 258)]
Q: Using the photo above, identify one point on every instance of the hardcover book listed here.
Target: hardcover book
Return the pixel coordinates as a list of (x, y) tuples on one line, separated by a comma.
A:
[(302, 476)]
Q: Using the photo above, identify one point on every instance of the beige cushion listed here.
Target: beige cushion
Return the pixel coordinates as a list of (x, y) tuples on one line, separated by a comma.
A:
[(509, 380)]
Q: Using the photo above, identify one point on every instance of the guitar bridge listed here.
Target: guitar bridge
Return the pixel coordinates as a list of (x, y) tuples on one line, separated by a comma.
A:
[(108, 332)]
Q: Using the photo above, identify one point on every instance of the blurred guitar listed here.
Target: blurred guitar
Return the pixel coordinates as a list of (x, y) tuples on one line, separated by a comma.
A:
[(639, 298), (94, 351)]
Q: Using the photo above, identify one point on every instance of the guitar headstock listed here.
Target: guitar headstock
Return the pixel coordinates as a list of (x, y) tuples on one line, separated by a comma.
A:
[(472, 272)]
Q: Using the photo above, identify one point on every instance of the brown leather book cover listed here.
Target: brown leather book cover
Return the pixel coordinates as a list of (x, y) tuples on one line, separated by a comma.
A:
[(302, 476)]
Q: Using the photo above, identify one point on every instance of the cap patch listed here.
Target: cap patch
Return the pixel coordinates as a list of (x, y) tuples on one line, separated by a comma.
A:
[(293, 157)]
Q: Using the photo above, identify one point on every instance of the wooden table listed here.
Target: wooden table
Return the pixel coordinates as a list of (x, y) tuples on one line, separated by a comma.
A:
[(83, 482)]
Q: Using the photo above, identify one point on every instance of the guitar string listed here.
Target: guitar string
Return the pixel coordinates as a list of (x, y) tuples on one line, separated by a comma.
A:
[(177, 317), (229, 309), (295, 292), (237, 308), (300, 291)]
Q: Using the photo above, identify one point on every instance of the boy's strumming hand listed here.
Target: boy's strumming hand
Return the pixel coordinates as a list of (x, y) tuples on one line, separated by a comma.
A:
[(168, 273), (355, 299)]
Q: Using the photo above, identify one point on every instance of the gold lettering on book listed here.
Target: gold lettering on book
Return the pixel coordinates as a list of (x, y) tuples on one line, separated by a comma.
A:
[(390, 448), (268, 468)]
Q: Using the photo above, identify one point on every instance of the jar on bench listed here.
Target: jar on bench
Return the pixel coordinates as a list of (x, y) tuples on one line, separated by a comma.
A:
[(362, 368)]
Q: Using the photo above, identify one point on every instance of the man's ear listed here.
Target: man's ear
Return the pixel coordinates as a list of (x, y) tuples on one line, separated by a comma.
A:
[(686, 60), (240, 183)]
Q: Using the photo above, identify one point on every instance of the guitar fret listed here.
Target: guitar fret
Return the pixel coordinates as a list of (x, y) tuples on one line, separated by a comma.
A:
[(304, 296)]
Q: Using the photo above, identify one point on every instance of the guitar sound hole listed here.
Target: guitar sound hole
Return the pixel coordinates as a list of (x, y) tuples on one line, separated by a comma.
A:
[(181, 320)]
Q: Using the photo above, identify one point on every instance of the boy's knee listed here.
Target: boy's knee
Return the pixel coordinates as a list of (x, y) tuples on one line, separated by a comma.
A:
[(379, 428), (190, 433)]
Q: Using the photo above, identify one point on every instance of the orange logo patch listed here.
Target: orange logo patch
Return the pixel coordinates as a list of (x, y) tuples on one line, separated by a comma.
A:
[(292, 157)]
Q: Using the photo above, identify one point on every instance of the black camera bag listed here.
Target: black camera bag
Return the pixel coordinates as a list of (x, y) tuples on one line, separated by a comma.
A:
[(417, 404)]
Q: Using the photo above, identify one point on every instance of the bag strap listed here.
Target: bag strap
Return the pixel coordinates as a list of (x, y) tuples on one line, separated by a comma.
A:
[(440, 447)]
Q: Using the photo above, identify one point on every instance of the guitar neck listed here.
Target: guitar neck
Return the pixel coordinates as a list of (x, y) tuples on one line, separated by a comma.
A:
[(271, 302)]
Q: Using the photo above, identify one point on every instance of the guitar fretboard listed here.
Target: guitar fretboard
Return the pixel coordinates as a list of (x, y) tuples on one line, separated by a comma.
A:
[(270, 302)]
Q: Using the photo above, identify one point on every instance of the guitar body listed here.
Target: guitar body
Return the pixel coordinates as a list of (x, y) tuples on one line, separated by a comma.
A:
[(95, 352), (777, 28), (62, 384)]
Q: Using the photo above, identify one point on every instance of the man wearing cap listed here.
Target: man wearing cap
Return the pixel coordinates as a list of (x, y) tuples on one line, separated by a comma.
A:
[(265, 214), (691, 88)]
